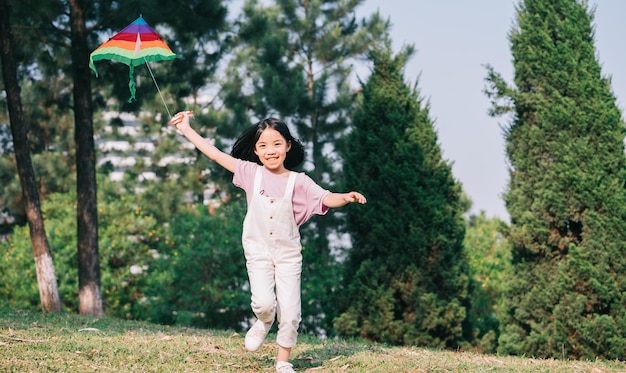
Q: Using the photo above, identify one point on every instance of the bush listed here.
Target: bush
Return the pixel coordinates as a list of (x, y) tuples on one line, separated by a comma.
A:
[(200, 277), (128, 240)]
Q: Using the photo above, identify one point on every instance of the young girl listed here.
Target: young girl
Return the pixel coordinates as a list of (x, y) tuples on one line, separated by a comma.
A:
[(279, 201)]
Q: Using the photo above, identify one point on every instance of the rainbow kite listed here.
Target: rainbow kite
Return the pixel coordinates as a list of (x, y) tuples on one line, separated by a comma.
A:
[(136, 44)]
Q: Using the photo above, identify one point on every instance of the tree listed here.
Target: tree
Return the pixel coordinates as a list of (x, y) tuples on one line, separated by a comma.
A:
[(89, 292), (407, 273), (46, 276), (294, 60), (53, 67), (45, 101), (489, 257), (566, 198)]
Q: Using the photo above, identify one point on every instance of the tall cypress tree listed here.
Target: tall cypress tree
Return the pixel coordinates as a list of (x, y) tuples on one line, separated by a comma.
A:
[(407, 272), (566, 200)]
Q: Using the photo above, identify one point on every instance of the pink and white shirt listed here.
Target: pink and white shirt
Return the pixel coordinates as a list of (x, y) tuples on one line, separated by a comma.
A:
[(307, 195)]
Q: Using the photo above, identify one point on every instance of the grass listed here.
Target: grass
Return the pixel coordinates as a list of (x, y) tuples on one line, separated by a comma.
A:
[(36, 342)]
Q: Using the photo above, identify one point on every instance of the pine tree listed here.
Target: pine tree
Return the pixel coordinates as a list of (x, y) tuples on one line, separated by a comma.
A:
[(407, 272), (566, 200)]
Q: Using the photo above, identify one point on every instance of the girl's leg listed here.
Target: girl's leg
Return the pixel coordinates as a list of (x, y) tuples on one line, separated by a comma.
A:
[(261, 276), (288, 271), (282, 361), (261, 279), (288, 297), (283, 353)]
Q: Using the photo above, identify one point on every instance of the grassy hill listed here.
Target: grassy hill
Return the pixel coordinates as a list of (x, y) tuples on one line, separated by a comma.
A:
[(35, 342)]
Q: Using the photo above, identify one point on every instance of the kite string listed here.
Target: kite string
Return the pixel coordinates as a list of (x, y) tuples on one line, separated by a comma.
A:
[(157, 87)]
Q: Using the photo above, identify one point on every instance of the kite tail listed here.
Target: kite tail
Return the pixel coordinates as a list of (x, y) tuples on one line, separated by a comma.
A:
[(92, 66), (131, 83)]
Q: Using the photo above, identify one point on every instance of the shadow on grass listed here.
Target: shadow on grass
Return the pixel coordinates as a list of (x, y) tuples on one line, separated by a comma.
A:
[(314, 355)]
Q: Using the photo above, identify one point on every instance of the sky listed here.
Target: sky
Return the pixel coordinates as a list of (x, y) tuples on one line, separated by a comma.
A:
[(454, 41)]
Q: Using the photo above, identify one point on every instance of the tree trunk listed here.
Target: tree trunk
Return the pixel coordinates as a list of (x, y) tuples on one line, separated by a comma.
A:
[(46, 277), (89, 295)]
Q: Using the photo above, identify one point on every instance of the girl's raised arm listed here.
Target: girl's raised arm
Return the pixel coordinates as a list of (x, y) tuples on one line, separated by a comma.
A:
[(181, 120)]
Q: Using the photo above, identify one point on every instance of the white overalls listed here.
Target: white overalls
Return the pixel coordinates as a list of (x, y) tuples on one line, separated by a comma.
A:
[(271, 242)]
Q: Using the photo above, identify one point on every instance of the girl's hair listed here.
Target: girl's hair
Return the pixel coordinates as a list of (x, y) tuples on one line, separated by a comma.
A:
[(244, 146)]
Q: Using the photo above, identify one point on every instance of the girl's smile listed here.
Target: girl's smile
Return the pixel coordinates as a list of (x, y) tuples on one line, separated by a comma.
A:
[(272, 148)]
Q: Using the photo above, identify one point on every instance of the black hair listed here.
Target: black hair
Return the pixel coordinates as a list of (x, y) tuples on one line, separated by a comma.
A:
[(244, 146)]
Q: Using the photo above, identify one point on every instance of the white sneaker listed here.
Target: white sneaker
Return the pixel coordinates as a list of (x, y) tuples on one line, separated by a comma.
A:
[(256, 335), (284, 367)]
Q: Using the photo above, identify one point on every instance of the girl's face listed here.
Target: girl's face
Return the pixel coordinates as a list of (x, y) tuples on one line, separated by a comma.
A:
[(272, 148)]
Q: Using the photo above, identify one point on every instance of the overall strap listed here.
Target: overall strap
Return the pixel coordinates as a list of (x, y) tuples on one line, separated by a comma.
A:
[(257, 181), (290, 185)]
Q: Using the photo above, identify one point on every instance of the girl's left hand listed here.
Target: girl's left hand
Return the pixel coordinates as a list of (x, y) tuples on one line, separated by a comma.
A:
[(355, 197)]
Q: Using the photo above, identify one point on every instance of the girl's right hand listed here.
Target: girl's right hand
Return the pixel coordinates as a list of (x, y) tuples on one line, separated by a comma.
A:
[(181, 119)]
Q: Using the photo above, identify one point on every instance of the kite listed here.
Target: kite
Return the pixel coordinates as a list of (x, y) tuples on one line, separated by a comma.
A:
[(136, 44)]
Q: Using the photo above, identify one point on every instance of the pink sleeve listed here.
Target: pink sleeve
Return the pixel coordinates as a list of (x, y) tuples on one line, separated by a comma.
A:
[(243, 177), (307, 199)]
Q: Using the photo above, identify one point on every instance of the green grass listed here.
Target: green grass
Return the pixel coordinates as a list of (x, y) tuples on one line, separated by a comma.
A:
[(36, 342)]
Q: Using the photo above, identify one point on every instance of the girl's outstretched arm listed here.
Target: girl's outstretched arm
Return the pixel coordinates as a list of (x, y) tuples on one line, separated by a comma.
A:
[(181, 120), (333, 200)]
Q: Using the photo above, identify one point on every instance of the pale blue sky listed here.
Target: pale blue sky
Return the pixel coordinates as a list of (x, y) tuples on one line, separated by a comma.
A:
[(454, 39)]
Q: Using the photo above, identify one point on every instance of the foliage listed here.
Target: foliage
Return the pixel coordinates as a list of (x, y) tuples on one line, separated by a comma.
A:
[(186, 271), (45, 73), (200, 277), (127, 239), (407, 273), (197, 31), (76, 19), (489, 257), (294, 60), (200, 38), (52, 151), (566, 199)]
